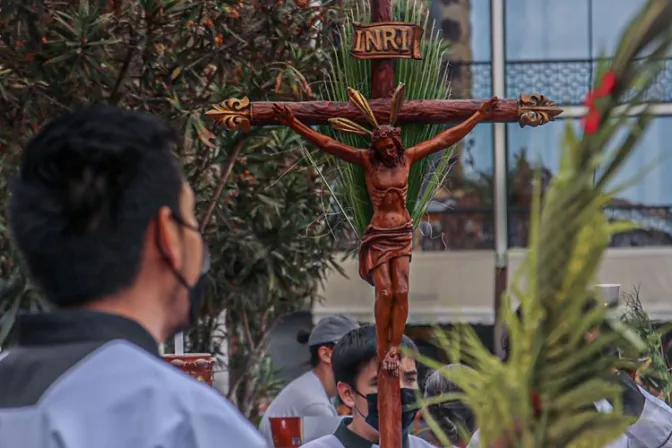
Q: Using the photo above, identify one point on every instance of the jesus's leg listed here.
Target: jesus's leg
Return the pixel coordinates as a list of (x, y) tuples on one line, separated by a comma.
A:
[(399, 269), (383, 310)]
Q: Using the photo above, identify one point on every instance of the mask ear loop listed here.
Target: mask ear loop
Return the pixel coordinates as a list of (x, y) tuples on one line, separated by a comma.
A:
[(355, 406)]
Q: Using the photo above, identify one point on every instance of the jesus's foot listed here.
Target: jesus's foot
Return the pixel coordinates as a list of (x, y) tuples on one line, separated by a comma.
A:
[(391, 361)]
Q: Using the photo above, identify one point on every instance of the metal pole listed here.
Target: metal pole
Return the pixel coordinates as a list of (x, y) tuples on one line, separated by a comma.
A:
[(179, 343), (498, 36)]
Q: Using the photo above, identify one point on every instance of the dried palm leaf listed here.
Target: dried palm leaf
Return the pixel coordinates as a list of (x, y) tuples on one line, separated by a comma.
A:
[(345, 125), (397, 102), (360, 102)]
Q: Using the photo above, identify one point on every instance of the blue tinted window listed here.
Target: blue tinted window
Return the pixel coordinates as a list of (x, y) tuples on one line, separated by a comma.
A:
[(647, 200), (547, 29)]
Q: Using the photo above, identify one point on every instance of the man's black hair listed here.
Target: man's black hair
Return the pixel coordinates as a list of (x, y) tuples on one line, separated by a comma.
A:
[(89, 185), (355, 351), (302, 338), (452, 416)]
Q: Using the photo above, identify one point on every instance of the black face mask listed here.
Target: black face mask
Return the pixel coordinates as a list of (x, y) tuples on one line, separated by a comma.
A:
[(197, 291), (409, 408)]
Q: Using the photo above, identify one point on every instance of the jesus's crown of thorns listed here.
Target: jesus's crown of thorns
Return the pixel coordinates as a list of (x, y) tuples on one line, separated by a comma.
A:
[(358, 100)]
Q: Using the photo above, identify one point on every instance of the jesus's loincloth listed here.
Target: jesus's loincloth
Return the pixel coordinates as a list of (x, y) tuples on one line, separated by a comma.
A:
[(382, 245)]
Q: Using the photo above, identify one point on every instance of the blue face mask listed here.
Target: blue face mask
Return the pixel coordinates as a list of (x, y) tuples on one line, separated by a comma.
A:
[(409, 408)]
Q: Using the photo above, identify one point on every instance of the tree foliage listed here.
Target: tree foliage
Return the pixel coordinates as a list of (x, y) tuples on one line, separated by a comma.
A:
[(176, 58)]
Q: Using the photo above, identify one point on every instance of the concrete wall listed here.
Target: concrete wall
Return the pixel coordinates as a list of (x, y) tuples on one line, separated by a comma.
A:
[(459, 286)]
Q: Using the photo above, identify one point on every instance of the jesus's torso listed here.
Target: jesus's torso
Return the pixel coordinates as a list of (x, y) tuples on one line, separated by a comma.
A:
[(387, 188)]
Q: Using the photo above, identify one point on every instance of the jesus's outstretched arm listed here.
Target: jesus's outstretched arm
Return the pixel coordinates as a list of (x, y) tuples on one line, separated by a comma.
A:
[(453, 135), (325, 143)]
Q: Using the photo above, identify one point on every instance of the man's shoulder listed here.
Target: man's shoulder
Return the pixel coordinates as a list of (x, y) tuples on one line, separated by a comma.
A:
[(303, 392), (300, 383), (417, 442), (134, 370), (329, 441)]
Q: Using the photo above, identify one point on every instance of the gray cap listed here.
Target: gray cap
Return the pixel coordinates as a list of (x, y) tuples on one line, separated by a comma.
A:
[(331, 329)]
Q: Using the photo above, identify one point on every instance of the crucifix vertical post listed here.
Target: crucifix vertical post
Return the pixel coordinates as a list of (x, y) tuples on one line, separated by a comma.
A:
[(389, 392), (382, 70)]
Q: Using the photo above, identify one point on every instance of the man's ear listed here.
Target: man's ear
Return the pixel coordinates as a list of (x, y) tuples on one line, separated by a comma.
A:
[(324, 353), (167, 237), (345, 394)]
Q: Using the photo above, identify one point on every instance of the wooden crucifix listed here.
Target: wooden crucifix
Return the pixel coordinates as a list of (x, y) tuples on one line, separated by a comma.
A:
[(385, 250)]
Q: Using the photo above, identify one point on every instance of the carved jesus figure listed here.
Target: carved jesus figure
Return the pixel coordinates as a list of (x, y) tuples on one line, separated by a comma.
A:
[(385, 251)]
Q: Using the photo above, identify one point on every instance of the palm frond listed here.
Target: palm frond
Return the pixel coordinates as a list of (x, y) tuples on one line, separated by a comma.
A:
[(553, 376), (397, 101), (345, 125), (422, 80), (361, 103)]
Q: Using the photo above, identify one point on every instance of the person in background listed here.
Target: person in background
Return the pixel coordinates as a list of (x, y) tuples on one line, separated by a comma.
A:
[(355, 364), (453, 417), (310, 394), (104, 219)]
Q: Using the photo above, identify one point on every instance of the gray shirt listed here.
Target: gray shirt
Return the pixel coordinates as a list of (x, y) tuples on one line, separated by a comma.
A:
[(303, 397), (344, 438), (118, 395)]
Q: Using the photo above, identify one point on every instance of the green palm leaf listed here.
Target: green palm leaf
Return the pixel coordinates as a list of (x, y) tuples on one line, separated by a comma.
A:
[(423, 79), (550, 358)]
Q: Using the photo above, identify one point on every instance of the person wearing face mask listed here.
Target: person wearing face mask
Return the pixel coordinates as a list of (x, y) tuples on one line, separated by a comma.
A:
[(355, 364), (310, 394), (104, 220)]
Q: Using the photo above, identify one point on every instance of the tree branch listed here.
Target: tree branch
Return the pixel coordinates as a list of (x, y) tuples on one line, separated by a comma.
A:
[(248, 332), (224, 176), (115, 93)]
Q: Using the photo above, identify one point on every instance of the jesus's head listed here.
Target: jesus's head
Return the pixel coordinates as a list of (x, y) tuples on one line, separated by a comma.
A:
[(386, 145)]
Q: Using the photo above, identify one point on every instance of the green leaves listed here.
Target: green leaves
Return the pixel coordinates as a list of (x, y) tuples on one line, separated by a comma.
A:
[(270, 225)]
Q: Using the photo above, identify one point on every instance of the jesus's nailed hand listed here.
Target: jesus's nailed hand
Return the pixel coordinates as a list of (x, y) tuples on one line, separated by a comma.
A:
[(488, 106), (283, 114)]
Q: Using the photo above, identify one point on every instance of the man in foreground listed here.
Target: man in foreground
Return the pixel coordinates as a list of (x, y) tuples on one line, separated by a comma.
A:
[(310, 394), (355, 364), (104, 220)]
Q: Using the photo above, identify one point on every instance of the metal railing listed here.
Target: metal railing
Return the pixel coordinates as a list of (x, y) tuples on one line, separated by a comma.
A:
[(473, 229), (566, 82)]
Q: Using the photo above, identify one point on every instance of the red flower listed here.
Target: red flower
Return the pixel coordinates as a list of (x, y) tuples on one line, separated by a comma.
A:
[(609, 83), (591, 122), (536, 403)]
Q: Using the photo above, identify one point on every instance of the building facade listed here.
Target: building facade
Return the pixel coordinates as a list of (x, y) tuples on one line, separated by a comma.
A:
[(478, 223)]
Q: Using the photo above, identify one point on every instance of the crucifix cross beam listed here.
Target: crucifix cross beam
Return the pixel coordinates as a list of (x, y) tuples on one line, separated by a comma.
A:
[(528, 110)]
